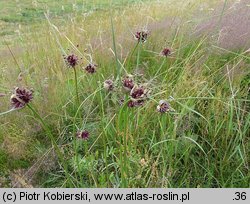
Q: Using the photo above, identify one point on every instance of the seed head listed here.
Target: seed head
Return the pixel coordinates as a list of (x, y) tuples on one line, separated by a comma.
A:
[(128, 83), (133, 103), (82, 134), (121, 101), (141, 36), (138, 93), (165, 52), (91, 68), (108, 85), (163, 106), (21, 97), (71, 60)]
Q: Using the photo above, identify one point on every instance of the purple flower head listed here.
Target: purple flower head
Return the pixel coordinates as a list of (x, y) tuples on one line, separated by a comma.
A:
[(165, 52), (91, 68), (82, 135), (71, 60), (163, 106), (21, 97), (121, 101), (108, 85), (138, 96), (138, 93), (133, 103), (128, 83), (141, 36)]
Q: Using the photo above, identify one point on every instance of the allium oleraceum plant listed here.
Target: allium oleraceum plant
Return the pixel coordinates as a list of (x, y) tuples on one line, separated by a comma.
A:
[(108, 85), (137, 94), (141, 36), (82, 134), (165, 52), (22, 98), (91, 68), (72, 61), (128, 83), (163, 106)]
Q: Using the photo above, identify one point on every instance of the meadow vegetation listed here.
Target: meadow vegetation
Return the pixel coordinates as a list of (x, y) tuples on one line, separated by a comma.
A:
[(79, 131)]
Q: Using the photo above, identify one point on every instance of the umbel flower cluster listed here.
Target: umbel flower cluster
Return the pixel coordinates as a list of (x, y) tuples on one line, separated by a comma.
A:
[(137, 93), (21, 97)]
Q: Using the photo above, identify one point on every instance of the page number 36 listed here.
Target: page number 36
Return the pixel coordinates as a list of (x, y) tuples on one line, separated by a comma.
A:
[(240, 196)]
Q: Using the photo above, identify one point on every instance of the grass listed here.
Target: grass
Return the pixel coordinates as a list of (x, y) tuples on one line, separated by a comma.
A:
[(202, 142)]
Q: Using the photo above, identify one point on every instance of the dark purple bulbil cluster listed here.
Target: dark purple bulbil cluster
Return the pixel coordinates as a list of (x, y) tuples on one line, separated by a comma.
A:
[(71, 60), (137, 93), (128, 83), (21, 97), (163, 106), (82, 134), (138, 96), (108, 85), (141, 36), (133, 103), (165, 52), (91, 68)]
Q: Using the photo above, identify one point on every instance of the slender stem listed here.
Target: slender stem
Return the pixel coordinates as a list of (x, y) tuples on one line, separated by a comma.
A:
[(53, 141), (156, 74), (6, 112), (115, 51), (138, 56), (162, 119), (123, 130), (129, 59), (76, 87), (132, 53)]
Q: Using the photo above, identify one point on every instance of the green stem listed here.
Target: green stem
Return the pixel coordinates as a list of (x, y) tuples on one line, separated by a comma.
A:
[(76, 87), (115, 51), (53, 141), (129, 59), (163, 121), (138, 56), (156, 74), (123, 129)]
